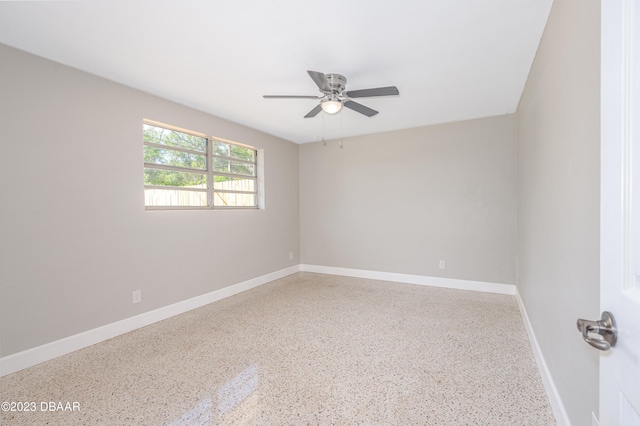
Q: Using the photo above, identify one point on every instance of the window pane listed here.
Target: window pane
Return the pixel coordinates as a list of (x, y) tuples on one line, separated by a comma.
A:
[(170, 157), (221, 148), (234, 184), (221, 165), (242, 153), (225, 199), (243, 169), (228, 166), (172, 138), (171, 178), (174, 197)]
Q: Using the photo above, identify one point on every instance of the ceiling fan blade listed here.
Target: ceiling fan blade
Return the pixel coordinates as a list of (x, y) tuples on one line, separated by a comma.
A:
[(360, 108), (378, 91), (291, 97), (321, 80), (314, 111)]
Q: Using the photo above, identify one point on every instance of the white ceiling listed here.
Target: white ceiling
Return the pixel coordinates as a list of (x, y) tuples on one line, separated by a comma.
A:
[(451, 59)]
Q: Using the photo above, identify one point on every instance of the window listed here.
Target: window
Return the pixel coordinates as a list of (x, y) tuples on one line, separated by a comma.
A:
[(187, 170)]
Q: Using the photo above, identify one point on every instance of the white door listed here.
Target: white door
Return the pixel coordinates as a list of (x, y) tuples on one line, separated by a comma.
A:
[(620, 210)]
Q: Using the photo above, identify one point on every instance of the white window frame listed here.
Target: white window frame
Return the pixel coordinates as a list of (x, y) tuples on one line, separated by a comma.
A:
[(209, 172)]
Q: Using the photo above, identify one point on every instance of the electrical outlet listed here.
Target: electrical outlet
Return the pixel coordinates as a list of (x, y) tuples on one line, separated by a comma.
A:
[(290, 255), (137, 296), (442, 264)]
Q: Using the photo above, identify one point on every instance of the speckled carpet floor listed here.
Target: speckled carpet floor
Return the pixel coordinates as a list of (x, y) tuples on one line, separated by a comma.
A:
[(305, 349)]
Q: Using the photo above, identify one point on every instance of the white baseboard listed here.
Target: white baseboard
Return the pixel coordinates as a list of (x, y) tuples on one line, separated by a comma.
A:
[(15, 362), (414, 279), (562, 419)]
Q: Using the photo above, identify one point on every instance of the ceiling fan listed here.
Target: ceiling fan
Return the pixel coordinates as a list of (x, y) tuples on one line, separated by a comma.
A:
[(334, 96)]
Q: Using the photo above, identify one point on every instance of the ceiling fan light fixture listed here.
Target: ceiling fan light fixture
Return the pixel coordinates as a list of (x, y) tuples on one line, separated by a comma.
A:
[(331, 106)]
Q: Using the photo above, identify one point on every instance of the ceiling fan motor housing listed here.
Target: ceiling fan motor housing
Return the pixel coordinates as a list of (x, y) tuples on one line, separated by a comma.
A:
[(337, 82)]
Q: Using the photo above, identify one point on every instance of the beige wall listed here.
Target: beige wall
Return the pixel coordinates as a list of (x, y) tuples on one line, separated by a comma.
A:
[(75, 237), (558, 199), (402, 201)]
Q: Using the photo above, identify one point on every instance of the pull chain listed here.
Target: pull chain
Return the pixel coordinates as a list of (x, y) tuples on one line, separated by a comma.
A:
[(340, 143), (324, 142)]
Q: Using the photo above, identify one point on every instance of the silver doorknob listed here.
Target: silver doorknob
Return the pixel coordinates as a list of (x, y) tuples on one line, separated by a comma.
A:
[(606, 328)]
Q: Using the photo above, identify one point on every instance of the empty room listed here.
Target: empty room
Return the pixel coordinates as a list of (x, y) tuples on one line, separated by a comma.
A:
[(346, 212)]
